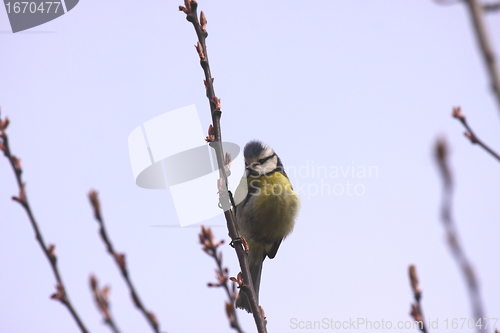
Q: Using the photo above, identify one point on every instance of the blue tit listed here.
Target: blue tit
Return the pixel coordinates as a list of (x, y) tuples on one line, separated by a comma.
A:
[(266, 209)]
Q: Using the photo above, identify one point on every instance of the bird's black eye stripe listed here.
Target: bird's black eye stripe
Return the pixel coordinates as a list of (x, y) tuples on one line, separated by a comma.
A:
[(263, 160)]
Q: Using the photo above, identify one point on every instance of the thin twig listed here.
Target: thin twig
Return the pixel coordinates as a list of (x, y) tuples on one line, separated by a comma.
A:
[(476, 12), (457, 113), (416, 308), (190, 9), (101, 297), (61, 294), (441, 154), (211, 248), (120, 261), (491, 7), (447, 2)]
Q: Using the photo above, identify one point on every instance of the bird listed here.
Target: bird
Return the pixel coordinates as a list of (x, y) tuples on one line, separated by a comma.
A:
[(266, 209)]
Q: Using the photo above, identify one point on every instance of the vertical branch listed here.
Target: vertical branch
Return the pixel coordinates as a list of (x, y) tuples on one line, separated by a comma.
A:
[(416, 308), (120, 262), (49, 251), (476, 12), (190, 9), (210, 247), (441, 153)]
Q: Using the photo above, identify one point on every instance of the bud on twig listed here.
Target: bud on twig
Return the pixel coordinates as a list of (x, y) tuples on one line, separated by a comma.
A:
[(22, 195), (199, 49), (187, 7), (457, 113), (120, 259), (52, 251), (96, 206), (211, 134), (59, 294), (414, 280), (203, 21), (216, 103)]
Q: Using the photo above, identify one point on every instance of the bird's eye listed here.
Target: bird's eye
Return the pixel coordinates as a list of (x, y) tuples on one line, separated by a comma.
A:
[(264, 160)]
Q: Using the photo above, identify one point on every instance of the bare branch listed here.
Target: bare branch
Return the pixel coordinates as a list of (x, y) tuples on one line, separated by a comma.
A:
[(441, 153), (120, 261), (491, 7), (101, 297), (61, 294), (457, 113), (416, 308), (476, 13), (210, 247), (225, 198)]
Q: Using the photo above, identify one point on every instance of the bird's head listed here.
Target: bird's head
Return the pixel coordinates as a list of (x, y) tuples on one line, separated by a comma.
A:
[(260, 159)]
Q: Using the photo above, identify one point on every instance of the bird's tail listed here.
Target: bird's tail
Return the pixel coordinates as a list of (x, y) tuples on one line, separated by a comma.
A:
[(255, 263)]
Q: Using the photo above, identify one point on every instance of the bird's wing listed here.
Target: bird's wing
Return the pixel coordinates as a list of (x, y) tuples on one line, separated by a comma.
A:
[(241, 191)]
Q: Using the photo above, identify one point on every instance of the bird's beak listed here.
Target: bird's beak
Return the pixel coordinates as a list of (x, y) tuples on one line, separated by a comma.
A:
[(250, 169), (252, 166)]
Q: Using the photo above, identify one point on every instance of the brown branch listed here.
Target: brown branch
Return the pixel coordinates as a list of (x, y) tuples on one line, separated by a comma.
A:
[(476, 13), (441, 154), (416, 308), (457, 113), (190, 9), (210, 247), (61, 294), (101, 297), (120, 261)]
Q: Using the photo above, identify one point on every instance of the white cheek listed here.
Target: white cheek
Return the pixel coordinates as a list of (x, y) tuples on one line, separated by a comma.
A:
[(269, 166), (261, 169)]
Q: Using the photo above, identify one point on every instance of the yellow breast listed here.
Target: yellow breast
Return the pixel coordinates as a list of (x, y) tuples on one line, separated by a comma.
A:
[(276, 204)]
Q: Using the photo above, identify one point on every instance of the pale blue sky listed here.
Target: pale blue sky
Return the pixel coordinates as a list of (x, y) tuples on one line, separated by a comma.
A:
[(340, 84)]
